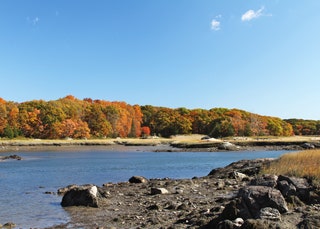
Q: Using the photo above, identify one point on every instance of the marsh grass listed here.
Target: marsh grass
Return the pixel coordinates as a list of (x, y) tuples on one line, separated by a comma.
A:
[(301, 164)]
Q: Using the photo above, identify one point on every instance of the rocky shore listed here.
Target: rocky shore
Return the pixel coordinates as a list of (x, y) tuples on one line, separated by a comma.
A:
[(236, 196)]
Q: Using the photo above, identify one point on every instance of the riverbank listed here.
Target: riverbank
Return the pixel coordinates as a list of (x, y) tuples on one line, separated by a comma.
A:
[(236, 196), (176, 143)]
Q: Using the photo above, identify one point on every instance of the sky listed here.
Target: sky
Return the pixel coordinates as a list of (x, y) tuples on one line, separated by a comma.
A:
[(261, 56)]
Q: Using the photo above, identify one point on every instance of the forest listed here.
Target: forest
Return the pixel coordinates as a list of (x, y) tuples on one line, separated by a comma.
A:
[(70, 117)]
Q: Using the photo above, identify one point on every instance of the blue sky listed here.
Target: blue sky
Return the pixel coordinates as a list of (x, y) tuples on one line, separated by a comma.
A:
[(257, 55)]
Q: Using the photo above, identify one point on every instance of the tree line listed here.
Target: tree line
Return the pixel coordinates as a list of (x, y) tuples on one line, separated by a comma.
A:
[(70, 117)]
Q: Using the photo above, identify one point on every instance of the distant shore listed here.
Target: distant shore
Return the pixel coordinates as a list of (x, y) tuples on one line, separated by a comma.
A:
[(176, 143)]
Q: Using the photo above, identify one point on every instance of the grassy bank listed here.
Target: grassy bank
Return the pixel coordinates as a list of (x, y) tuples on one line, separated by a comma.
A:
[(301, 164)]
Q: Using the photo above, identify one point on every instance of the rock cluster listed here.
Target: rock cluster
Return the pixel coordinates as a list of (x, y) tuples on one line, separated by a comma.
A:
[(12, 157), (232, 197)]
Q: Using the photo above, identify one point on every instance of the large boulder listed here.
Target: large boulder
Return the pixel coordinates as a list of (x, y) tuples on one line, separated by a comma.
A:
[(258, 197), (82, 196), (296, 186)]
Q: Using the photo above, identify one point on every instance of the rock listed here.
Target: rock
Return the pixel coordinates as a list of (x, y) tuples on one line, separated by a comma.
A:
[(62, 191), (81, 196), (248, 167), (260, 224), (12, 157), (301, 185), (138, 179), (240, 176), (155, 191), (235, 209), (308, 146), (270, 214), (9, 225), (226, 224), (228, 146), (258, 197), (265, 180), (286, 189), (238, 222)]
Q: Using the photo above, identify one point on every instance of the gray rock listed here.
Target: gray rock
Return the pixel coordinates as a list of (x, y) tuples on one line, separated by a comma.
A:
[(308, 146), (265, 180), (156, 191), (270, 214), (258, 197), (301, 185), (81, 196), (138, 179)]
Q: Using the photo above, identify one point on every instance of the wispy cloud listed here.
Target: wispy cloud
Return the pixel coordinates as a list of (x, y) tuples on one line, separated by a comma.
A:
[(215, 23), (33, 21), (251, 14)]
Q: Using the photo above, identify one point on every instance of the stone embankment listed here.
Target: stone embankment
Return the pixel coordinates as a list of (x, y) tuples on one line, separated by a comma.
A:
[(235, 196)]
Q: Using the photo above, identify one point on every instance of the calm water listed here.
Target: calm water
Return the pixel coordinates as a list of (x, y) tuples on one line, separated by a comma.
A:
[(23, 183)]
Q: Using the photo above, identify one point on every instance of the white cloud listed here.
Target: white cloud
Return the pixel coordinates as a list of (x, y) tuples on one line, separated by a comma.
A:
[(215, 25), (251, 14)]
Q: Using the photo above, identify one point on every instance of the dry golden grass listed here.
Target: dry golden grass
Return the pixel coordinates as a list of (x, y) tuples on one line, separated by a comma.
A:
[(301, 164)]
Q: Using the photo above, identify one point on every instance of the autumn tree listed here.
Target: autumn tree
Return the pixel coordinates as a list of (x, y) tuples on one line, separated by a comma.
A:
[(145, 131), (3, 116), (97, 122)]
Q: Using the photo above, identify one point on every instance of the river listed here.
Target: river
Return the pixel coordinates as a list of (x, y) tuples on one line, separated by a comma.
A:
[(24, 183)]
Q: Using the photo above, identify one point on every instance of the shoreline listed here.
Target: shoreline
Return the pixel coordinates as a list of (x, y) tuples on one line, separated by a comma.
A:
[(236, 193), (178, 144)]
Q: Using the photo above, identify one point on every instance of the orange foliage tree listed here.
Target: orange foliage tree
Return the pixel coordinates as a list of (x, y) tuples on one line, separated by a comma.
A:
[(74, 118)]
